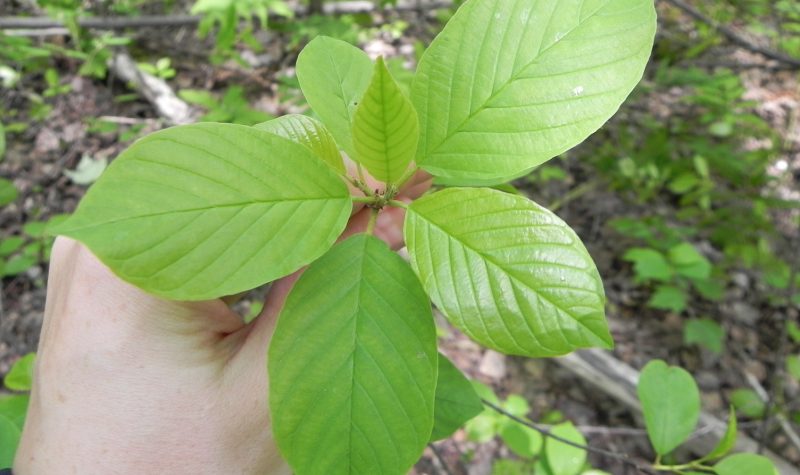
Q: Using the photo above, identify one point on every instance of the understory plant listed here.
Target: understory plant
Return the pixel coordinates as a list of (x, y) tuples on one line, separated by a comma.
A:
[(356, 382)]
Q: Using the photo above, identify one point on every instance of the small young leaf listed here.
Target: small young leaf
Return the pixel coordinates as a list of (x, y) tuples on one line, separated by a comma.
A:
[(745, 464), (10, 245), (333, 76), (205, 210), (747, 403), (522, 440), (671, 404), (727, 441), (668, 297), (8, 192), (649, 264), (353, 364), (688, 262), (509, 84), (704, 332), (9, 440), (20, 377), (563, 459), (507, 272), (385, 128), (456, 400), (309, 132)]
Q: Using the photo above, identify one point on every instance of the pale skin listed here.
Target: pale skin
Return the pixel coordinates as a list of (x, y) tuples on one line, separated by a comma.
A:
[(129, 383)]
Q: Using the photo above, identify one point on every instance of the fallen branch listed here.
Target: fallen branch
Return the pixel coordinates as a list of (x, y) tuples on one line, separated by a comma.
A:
[(618, 380), (733, 36), (168, 105)]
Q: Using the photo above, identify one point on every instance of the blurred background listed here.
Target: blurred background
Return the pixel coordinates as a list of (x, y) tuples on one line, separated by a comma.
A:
[(688, 199)]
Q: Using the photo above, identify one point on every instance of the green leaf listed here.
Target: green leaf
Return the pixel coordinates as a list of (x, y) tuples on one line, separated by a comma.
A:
[(507, 272), (793, 366), (745, 464), (565, 459), (385, 128), (649, 264), (353, 364), (456, 400), (522, 440), (8, 192), (15, 408), (688, 262), (87, 171), (747, 403), (671, 404), (668, 297), (20, 376), (333, 76), (205, 210), (10, 245), (509, 84), (309, 132), (516, 405), (704, 332), (793, 330), (9, 440), (728, 439), (17, 265)]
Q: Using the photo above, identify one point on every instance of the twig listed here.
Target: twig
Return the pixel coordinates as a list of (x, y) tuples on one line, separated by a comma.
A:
[(733, 36), (547, 433), (574, 194), (440, 458)]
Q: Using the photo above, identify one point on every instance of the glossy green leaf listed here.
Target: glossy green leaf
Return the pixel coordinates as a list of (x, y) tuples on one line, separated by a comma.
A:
[(333, 76), (456, 400), (385, 128), (353, 364), (704, 332), (205, 210), (507, 272), (509, 84), (745, 464), (728, 439), (20, 376), (671, 404), (9, 440), (522, 440), (8, 192), (309, 132), (563, 459)]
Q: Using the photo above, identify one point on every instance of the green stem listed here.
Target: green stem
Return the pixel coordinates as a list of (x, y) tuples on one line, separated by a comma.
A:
[(403, 179), (687, 466), (360, 185), (373, 218), (397, 204), (360, 173), (363, 199)]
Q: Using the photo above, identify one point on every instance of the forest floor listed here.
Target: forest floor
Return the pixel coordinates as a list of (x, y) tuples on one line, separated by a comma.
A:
[(37, 157)]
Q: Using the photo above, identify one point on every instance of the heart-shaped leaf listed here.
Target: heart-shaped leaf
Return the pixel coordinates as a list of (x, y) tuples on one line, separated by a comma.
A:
[(671, 404), (385, 128), (353, 364), (333, 76), (745, 464), (205, 210), (509, 84), (456, 400), (507, 272), (309, 132)]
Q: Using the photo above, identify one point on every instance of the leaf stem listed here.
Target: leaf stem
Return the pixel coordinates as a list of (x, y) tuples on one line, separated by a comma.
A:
[(363, 199), (360, 185), (407, 176), (360, 173), (397, 204), (373, 218)]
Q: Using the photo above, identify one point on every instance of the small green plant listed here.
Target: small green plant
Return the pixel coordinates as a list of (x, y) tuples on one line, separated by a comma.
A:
[(14, 407), (162, 68), (232, 107), (207, 210), (671, 404)]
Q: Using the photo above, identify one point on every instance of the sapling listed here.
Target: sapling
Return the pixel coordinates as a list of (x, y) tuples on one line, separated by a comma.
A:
[(208, 210)]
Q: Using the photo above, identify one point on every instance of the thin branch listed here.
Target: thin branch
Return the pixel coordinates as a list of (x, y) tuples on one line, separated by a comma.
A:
[(440, 458), (624, 458), (733, 36)]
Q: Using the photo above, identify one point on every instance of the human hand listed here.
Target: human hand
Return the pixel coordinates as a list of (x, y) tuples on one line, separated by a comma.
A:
[(127, 382)]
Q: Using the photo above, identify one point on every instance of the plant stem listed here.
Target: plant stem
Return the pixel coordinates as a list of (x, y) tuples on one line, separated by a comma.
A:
[(373, 218), (397, 204), (360, 173), (687, 466), (363, 199)]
